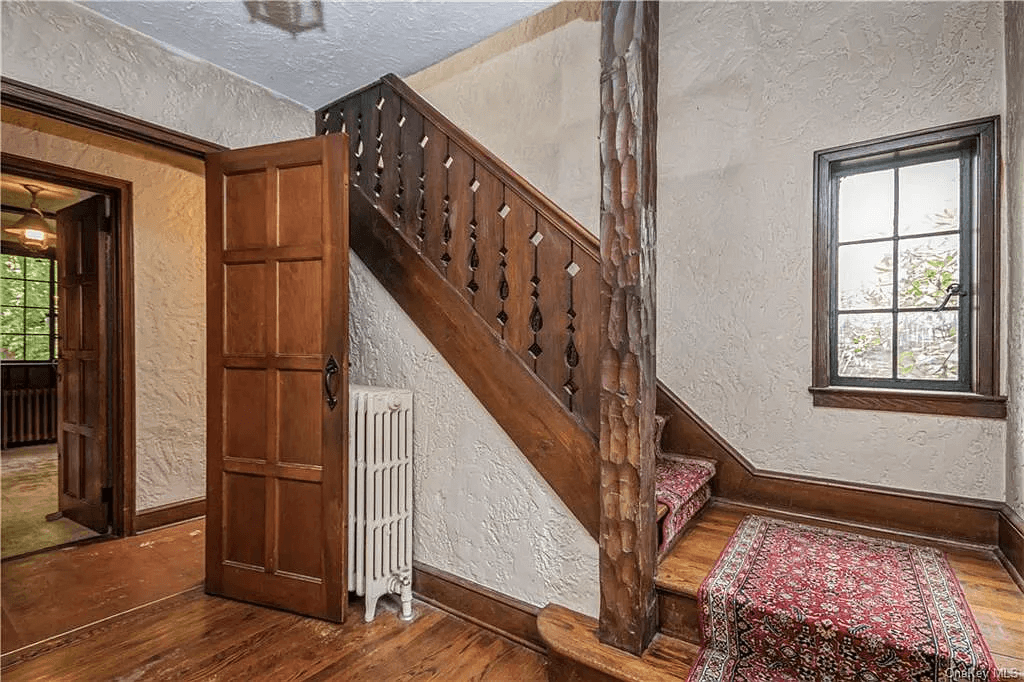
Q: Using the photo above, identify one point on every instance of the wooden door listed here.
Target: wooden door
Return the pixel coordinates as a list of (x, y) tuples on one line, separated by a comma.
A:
[(277, 363), (82, 270)]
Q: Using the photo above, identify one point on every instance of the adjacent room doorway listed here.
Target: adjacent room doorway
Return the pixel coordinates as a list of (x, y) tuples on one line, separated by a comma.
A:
[(67, 412)]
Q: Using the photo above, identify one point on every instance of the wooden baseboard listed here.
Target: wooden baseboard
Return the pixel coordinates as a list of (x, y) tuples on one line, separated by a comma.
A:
[(941, 516), (1011, 544), (480, 605), (164, 515)]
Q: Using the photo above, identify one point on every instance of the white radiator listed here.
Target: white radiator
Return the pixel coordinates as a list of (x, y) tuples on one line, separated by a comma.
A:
[(380, 495)]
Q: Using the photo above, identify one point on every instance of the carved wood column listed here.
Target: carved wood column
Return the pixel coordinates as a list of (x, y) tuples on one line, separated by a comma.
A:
[(628, 140)]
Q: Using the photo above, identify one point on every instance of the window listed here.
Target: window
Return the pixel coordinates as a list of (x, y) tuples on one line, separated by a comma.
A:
[(27, 314), (906, 273)]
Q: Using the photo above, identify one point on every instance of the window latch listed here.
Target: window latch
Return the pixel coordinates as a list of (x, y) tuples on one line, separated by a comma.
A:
[(952, 290)]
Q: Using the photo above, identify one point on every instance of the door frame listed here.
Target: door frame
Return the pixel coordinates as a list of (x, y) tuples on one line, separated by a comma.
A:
[(121, 371)]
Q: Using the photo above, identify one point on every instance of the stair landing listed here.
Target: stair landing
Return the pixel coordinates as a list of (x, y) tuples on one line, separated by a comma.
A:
[(997, 602)]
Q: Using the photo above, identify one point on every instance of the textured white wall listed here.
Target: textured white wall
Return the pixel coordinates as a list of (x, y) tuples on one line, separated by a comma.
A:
[(482, 510), (74, 51), (1014, 184), (747, 93), (530, 95), (66, 48)]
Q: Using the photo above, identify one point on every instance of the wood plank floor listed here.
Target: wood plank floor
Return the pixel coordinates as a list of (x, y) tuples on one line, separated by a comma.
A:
[(996, 601), (194, 636), (134, 608), (48, 594)]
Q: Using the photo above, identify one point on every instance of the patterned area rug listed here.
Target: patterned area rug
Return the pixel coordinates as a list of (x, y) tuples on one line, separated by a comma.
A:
[(793, 602)]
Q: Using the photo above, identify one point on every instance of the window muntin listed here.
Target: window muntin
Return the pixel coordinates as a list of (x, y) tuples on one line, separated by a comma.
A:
[(901, 236), (27, 308)]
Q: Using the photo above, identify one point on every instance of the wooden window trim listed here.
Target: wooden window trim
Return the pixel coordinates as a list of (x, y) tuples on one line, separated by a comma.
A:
[(984, 399)]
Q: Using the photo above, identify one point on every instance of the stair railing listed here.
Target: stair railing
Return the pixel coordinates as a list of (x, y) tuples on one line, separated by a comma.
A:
[(523, 264)]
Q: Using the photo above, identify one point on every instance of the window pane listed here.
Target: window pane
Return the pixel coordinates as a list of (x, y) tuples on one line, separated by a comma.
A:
[(864, 346), (12, 292), (12, 346), (930, 197), (865, 276), (928, 345), (37, 294), (927, 266), (38, 269), (12, 320), (37, 348), (866, 205), (37, 321), (13, 266)]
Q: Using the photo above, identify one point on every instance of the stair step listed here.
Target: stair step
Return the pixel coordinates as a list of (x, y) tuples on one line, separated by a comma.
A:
[(682, 488), (576, 653)]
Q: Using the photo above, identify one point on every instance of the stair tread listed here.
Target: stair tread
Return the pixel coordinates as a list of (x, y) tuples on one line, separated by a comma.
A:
[(574, 636), (682, 476)]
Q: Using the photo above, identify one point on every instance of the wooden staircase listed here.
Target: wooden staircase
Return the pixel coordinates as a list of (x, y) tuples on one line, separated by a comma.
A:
[(506, 287)]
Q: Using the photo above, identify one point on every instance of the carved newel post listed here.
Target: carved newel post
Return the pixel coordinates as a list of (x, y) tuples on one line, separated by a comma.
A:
[(629, 96)]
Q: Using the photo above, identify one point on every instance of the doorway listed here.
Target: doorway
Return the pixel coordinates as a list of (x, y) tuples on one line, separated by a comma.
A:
[(67, 364)]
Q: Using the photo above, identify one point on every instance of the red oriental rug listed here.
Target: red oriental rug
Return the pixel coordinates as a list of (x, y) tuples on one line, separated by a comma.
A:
[(788, 601)]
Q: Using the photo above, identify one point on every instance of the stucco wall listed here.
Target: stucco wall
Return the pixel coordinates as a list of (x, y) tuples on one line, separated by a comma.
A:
[(748, 92), (482, 510), (1014, 187), (530, 95), (74, 51)]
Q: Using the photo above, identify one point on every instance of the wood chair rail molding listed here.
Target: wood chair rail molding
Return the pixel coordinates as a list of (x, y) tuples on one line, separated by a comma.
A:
[(85, 115), (979, 522)]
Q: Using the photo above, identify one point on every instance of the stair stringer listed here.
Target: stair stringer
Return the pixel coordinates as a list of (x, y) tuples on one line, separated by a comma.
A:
[(558, 446)]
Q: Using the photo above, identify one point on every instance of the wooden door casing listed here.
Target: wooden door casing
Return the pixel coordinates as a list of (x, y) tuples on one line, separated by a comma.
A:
[(277, 309), (83, 261)]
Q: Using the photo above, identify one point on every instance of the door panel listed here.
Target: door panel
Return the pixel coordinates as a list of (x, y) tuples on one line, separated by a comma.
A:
[(277, 302), (82, 270)]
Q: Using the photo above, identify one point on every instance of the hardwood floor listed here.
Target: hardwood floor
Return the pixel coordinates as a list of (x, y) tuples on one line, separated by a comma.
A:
[(997, 602), (48, 594), (134, 608), (194, 636)]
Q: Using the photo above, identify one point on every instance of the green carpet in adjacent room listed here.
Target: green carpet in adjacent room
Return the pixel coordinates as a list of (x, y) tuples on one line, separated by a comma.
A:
[(28, 477)]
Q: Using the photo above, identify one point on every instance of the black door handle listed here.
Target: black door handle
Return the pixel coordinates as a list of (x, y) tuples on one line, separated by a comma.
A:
[(330, 369)]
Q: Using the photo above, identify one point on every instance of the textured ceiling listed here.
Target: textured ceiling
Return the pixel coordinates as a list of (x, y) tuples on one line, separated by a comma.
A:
[(360, 40)]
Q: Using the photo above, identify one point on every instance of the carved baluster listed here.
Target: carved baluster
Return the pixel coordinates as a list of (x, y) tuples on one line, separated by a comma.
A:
[(421, 201), (628, 616), (399, 204), (520, 225), (474, 257), (378, 147), (554, 252), (490, 240), (446, 213), (586, 304), (436, 188), (536, 317)]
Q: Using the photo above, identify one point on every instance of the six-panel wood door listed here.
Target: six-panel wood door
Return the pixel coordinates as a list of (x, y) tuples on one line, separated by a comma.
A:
[(82, 269), (277, 310)]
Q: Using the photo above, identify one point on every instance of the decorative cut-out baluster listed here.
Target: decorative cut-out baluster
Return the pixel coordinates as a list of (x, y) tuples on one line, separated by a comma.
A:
[(358, 170), (536, 319), (572, 355), (379, 149), (474, 257), (400, 189), (446, 232), (421, 202), (503, 288)]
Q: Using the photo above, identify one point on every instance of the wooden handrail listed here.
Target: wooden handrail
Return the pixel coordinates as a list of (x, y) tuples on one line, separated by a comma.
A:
[(558, 217)]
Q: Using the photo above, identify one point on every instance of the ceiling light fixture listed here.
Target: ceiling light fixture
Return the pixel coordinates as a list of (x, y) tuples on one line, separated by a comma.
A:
[(32, 229), (288, 15)]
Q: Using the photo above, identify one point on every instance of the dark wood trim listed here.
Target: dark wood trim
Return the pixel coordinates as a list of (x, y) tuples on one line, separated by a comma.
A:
[(737, 480), (557, 444), (123, 369), (561, 220), (480, 605), (85, 115), (628, 618), (1011, 544), (983, 135), (166, 514), (920, 402)]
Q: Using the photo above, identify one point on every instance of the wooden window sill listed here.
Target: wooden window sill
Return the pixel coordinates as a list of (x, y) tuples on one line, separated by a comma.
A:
[(921, 402)]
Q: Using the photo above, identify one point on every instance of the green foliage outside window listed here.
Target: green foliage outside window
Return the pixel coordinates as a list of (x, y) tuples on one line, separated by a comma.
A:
[(27, 314)]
